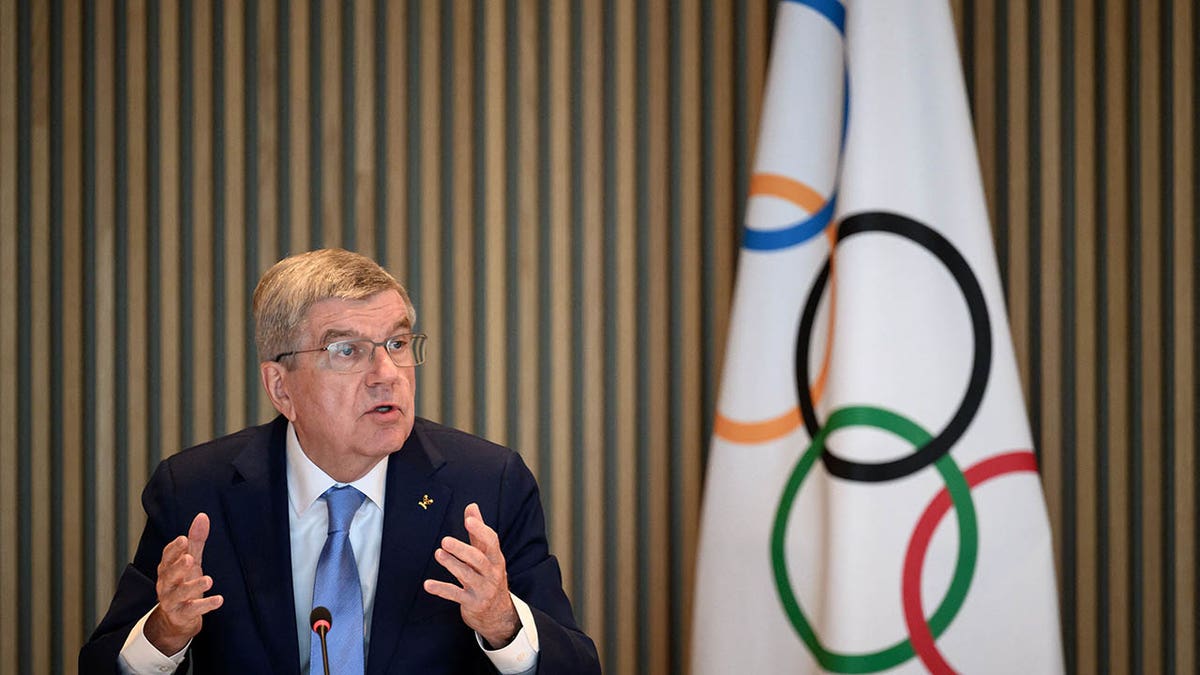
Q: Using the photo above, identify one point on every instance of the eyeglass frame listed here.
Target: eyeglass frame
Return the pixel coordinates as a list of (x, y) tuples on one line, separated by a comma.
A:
[(415, 338)]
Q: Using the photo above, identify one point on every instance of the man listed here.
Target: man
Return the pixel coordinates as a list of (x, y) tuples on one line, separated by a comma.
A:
[(427, 545)]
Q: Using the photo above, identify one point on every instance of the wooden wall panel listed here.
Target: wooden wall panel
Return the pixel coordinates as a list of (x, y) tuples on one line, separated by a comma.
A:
[(1090, 162), (10, 309), (560, 185)]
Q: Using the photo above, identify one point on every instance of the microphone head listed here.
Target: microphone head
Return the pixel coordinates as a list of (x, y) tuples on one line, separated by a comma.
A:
[(320, 619)]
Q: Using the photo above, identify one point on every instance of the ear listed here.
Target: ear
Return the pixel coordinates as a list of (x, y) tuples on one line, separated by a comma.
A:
[(275, 381)]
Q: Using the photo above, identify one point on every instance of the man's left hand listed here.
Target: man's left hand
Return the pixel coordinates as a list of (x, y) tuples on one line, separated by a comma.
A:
[(487, 608)]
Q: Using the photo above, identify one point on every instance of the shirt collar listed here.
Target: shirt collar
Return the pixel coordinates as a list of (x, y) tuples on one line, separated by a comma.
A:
[(307, 482)]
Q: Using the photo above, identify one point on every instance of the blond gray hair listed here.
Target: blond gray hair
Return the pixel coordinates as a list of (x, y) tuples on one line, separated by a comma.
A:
[(287, 291)]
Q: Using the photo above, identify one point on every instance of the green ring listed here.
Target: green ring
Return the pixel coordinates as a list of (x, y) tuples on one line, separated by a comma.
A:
[(968, 537)]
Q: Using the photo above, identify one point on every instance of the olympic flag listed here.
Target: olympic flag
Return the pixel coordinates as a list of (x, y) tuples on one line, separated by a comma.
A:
[(872, 501)]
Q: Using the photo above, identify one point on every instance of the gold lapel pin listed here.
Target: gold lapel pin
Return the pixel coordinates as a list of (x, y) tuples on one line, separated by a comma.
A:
[(425, 502)]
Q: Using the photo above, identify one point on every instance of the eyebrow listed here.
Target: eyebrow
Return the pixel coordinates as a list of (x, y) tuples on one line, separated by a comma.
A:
[(335, 334)]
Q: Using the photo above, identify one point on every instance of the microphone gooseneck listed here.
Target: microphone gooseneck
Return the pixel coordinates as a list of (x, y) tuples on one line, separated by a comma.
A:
[(321, 621)]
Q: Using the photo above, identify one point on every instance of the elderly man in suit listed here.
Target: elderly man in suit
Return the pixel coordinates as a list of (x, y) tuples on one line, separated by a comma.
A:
[(426, 545)]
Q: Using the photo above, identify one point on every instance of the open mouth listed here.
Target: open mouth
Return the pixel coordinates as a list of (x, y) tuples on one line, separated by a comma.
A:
[(384, 408)]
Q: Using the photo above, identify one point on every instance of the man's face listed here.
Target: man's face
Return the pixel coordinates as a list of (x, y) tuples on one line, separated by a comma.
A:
[(347, 422)]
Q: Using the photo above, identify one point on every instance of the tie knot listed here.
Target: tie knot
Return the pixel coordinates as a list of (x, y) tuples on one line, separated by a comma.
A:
[(343, 503)]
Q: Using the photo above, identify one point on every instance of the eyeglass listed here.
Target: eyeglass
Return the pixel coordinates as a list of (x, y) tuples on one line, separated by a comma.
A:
[(353, 356)]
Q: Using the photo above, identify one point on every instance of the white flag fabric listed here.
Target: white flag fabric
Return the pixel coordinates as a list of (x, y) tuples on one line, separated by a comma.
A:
[(872, 501)]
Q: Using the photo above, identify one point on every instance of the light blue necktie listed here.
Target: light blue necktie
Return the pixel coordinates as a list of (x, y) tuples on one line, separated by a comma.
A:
[(337, 588)]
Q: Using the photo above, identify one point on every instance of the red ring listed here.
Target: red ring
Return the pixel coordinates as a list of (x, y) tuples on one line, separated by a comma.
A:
[(919, 634)]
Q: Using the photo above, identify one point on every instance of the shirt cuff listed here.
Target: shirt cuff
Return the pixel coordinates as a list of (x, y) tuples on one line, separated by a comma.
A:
[(139, 657), (520, 655)]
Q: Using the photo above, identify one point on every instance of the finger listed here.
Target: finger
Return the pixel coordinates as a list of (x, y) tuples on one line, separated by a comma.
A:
[(191, 611), (447, 591), (466, 575), (193, 588), (172, 551), (182, 569), (180, 587), (485, 539), (197, 536), (466, 553), (472, 518), (202, 606)]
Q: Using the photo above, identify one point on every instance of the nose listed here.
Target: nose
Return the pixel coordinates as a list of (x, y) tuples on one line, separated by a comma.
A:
[(380, 367)]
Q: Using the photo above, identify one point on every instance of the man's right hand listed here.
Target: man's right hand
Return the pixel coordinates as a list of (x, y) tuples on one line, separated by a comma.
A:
[(181, 587)]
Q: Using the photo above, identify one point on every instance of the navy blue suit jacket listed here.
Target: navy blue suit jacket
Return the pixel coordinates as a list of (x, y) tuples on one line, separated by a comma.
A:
[(240, 482)]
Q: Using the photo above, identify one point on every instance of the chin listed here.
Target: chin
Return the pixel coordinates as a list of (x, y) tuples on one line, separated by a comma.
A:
[(394, 439)]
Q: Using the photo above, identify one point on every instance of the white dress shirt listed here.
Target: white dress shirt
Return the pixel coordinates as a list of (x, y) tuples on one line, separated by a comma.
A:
[(308, 524)]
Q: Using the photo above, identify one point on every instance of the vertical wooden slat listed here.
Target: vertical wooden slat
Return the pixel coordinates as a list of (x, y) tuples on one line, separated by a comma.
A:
[(589, 359), (1150, 321), (138, 367), (329, 97), (72, 307), (101, 512), (1017, 98), (239, 354), (397, 100), (1187, 340), (557, 182), (1117, 414), (118, 268), (177, 358), (299, 54), (363, 75), (492, 157), (524, 204), (203, 358), (1001, 212), (1087, 614), (1103, 349), (495, 172), (1069, 446), (280, 17), (1046, 212), (258, 245), (984, 104), (457, 208), (1164, 263), (68, 209), (625, 524), (690, 436), (213, 72), (165, 376), (34, 549), (378, 103), (720, 247), (429, 401), (653, 499), (9, 578), (267, 79)]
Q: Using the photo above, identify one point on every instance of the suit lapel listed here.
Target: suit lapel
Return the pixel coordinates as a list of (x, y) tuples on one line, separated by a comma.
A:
[(256, 504), (412, 522)]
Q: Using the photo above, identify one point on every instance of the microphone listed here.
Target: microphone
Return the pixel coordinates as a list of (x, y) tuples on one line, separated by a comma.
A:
[(321, 622)]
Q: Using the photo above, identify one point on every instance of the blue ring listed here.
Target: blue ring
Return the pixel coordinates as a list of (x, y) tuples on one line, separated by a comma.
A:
[(802, 231), (770, 240)]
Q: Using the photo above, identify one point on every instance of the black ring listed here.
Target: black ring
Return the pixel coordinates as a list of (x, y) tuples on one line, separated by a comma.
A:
[(939, 246)]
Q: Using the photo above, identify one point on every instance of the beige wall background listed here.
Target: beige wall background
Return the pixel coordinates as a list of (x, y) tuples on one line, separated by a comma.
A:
[(560, 185)]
